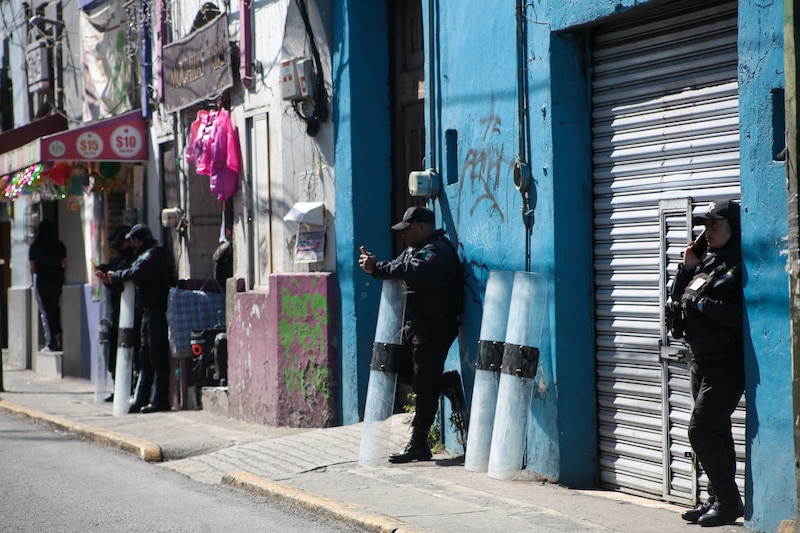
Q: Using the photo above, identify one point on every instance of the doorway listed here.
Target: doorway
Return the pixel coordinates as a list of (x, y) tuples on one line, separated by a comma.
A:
[(407, 103)]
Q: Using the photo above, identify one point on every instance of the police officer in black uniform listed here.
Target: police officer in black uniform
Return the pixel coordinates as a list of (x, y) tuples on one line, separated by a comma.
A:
[(152, 275), (431, 270), (708, 286)]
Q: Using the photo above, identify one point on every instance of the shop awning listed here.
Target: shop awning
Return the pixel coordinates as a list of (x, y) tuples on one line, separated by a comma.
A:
[(121, 139), (19, 147), (30, 132)]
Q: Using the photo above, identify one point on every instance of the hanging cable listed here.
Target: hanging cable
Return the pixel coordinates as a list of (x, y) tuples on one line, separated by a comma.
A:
[(430, 84), (522, 174), (319, 113)]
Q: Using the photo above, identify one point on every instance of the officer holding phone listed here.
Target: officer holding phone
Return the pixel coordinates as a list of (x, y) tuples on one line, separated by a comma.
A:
[(708, 286), (431, 271)]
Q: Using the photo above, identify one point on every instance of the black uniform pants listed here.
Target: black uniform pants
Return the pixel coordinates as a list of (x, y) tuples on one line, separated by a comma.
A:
[(717, 389), (425, 344), (153, 385), (50, 300)]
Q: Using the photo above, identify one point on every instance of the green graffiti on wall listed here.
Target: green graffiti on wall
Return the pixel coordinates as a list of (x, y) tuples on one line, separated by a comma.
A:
[(300, 330), (309, 380)]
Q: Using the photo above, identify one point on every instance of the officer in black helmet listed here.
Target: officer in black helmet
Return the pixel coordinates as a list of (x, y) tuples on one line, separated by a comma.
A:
[(708, 286), (151, 272)]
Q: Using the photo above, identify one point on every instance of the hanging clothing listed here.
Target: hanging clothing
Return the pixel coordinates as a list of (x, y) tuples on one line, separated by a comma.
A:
[(225, 160), (213, 148)]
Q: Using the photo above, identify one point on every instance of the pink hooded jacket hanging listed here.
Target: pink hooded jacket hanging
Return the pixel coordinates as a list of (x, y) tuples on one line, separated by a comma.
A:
[(213, 148), (225, 159)]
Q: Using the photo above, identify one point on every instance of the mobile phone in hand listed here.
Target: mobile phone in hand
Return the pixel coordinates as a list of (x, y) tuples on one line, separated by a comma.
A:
[(700, 246)]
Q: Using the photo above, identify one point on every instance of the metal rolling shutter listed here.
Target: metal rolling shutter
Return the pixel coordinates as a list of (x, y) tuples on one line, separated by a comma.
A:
[(665, 127)]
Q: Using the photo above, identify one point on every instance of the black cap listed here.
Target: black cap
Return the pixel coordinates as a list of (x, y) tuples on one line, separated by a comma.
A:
[(141, 232), (118, 237), (415, 214), (718, 210)]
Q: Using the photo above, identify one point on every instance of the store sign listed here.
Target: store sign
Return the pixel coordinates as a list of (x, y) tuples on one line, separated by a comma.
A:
[(197, 67), (121, 138), (21, 157), (38, 67)]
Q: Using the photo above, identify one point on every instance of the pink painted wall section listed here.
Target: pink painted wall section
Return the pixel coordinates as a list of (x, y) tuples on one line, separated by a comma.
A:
[(282, 359), (250, 395)]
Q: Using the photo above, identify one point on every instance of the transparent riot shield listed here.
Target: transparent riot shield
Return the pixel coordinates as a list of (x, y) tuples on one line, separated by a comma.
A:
[(517, 372), (494, 321), (122, 373), (103, 339), (383, 375)]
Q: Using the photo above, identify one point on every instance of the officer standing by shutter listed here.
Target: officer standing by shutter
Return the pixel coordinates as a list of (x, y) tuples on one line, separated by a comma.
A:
[(709, 287)]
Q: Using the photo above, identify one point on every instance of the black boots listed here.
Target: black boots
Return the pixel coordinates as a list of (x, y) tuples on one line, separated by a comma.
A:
[(692, 515), (713, 512), (154, 407), (722, 514), (135, 407), (417, 449)]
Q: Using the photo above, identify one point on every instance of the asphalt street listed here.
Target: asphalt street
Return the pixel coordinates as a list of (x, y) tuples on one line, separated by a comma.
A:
[(318, 470)]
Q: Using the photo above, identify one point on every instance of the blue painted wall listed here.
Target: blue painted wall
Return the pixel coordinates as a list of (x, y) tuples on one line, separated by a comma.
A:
[(474, 90), (361, 118), (770, 478), (479, 102)]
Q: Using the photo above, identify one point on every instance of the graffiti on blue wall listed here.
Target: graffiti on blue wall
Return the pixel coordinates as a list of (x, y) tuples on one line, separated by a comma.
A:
[(485, 165)]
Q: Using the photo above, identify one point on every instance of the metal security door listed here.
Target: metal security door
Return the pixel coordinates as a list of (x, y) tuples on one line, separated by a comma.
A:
[(665, 129), (680, 469), (259, 202)]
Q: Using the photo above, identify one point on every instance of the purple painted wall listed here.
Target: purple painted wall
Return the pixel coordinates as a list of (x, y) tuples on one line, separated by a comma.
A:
[(282, 358)]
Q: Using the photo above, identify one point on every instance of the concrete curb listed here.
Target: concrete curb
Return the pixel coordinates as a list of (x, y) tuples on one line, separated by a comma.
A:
[(349, 513), (147, 451)]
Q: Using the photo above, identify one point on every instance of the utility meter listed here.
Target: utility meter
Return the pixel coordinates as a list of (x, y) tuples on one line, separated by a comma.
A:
[(424, 183), (171, 217), (522, 177)]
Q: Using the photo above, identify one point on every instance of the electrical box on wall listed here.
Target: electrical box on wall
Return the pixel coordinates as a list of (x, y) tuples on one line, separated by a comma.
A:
[(304, 74), (424, 183), (171, 217), (296, 77), (290, 89)]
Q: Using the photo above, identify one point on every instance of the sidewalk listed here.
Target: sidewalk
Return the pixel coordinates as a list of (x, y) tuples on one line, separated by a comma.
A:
[(318, 469)]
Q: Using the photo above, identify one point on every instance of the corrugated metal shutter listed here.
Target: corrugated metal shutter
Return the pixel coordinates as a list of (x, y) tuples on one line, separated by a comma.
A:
[(665, 129)]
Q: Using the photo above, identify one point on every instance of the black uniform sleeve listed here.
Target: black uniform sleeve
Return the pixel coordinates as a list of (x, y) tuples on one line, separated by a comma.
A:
[(723, 305), (145, 267), (682, 279), (418, 268)]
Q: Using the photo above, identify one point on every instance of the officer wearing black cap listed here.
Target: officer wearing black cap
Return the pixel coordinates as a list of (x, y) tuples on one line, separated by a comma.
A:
[(151, 272), (431, 270), (708, 286)]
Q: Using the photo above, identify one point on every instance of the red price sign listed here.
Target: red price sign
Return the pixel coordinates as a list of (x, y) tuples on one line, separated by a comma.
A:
[(126, 141), (89, 145)]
